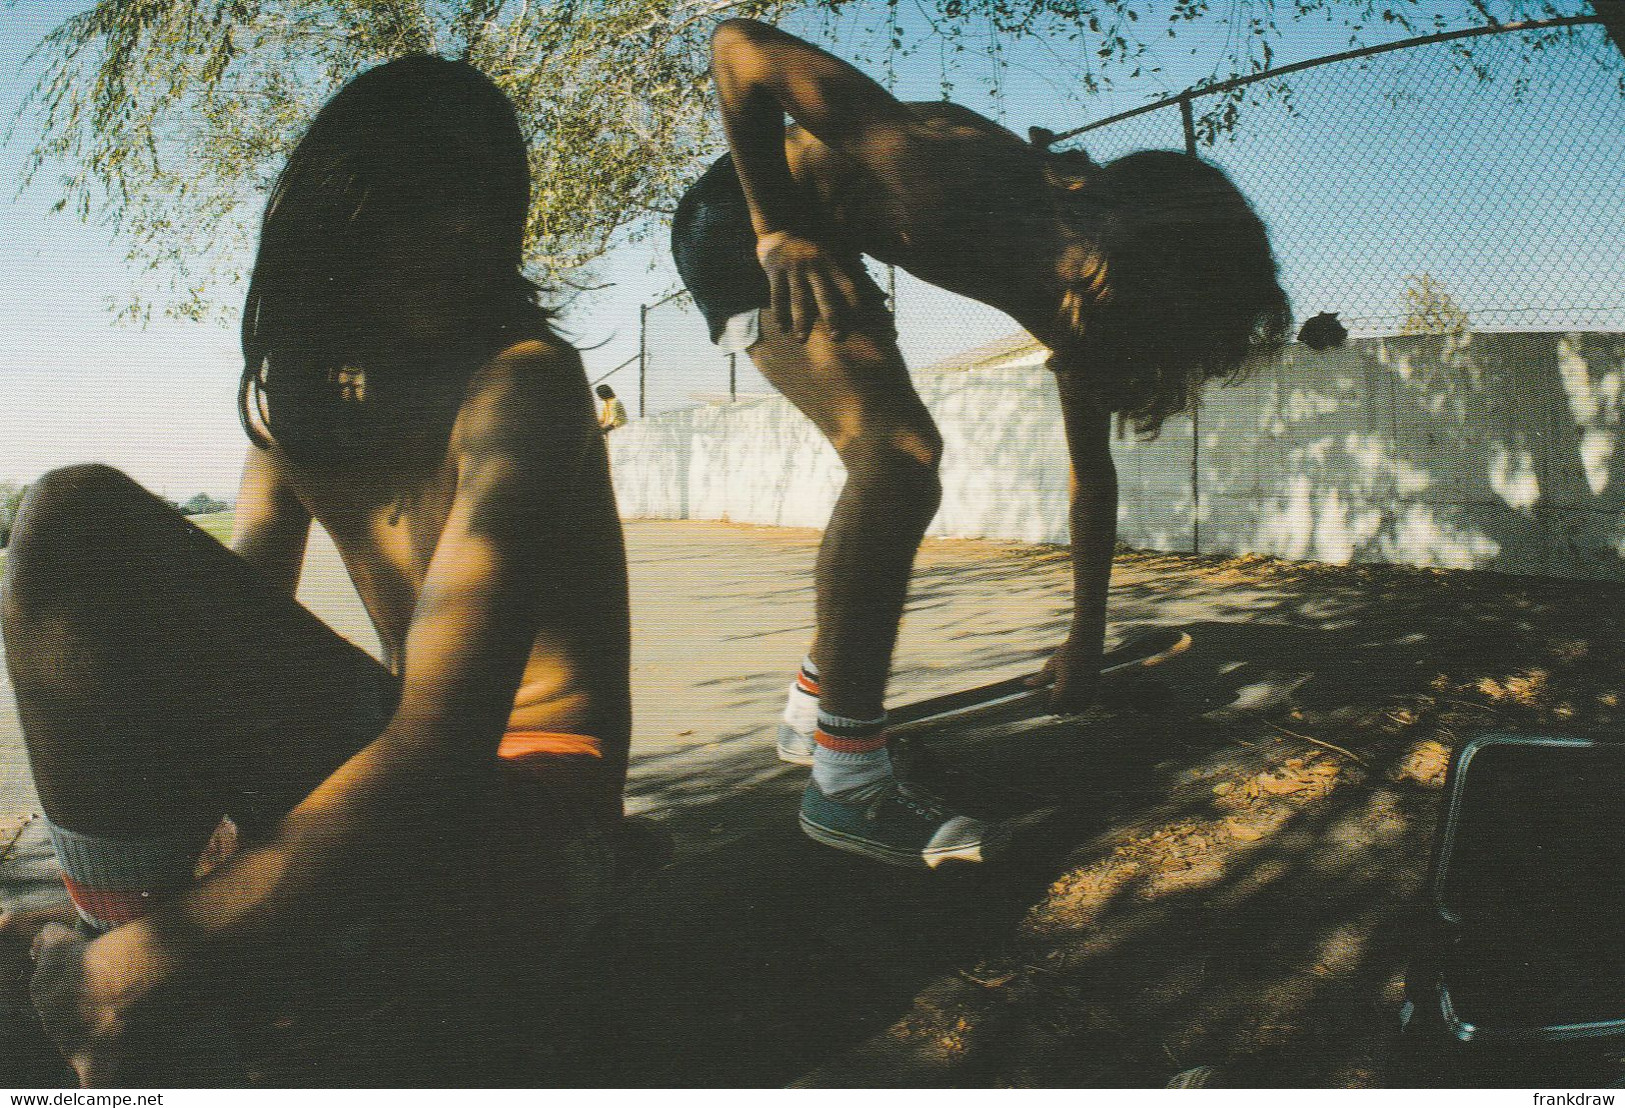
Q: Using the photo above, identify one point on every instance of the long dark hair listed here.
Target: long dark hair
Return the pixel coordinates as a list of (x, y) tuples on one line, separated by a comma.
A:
[(418, 145), (1180, 287)]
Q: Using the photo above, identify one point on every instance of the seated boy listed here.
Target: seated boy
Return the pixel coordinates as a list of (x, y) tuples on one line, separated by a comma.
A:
[(403, 389)]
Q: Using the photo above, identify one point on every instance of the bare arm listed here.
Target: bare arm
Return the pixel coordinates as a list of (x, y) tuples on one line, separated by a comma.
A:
[(763, 75), (272, 527), (1093, 519)]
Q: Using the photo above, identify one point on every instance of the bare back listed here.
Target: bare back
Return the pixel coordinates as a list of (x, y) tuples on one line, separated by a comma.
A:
[(388, 524), (952, 197)]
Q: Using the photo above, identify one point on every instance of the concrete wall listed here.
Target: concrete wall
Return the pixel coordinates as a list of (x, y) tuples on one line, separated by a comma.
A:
[(1489, 451)]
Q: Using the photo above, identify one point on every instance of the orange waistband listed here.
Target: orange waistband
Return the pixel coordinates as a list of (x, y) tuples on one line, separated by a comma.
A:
[(558, 744), (567, 765)]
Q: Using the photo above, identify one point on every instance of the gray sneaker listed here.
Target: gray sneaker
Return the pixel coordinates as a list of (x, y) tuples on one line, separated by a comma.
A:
[(900, 827)]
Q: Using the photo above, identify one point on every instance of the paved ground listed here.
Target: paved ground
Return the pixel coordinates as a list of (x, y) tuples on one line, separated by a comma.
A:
[(1227, 877), (722, 616)]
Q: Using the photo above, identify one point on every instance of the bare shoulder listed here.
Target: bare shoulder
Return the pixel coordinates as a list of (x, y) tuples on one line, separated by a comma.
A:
[(944, 119), (539, 365), (531, 392)]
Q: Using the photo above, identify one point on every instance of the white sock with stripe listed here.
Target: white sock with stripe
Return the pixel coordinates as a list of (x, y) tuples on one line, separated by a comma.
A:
[(801, 707), (850, 762)]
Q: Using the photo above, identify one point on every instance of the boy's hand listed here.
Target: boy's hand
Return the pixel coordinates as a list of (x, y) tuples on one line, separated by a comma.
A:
[(1073, 674), (75, 1014), (808, 283), (100, 1004)]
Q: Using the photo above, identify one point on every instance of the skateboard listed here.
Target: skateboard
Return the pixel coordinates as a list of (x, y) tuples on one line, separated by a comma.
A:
[(1016, 699)]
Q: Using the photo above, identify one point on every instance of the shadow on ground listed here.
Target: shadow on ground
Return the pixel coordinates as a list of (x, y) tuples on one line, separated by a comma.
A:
[(1230, 876), (1227, 873)]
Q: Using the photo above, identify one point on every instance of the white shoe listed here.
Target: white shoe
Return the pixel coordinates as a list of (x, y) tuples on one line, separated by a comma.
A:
[(796, 726), (794, 747)]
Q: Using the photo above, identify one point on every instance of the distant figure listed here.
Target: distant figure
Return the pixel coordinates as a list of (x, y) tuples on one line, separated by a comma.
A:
[(403, 389), (1323, 331), (611, 413), (1144, 277)]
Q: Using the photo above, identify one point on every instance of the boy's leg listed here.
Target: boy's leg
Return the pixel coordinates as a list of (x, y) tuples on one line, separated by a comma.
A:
[(162, 682), (857, 391)]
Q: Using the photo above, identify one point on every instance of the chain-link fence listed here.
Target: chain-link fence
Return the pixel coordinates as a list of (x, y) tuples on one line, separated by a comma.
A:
[(678, 365), (1442, 183)]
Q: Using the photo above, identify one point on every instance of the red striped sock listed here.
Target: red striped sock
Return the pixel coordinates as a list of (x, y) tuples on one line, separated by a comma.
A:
[(105, 909), (114, 879), (850, 736)]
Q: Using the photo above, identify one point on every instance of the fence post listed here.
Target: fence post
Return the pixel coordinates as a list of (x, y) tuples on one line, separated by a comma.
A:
[(1188, 118), (733, 377), (643, 359)]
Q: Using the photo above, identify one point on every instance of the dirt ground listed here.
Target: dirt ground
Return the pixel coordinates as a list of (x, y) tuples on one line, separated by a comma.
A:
[(1223, 872)]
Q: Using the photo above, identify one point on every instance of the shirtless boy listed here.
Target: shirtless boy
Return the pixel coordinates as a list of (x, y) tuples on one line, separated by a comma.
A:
[(401, 388), (1143, 277)]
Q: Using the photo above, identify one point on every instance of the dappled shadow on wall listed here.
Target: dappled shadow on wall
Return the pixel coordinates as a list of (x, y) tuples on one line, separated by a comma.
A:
[(1486, 451)]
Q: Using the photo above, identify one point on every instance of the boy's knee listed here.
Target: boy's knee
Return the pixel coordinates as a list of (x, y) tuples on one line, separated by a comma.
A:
[(906, 452), (900, 464), (67, 513), (921, 446), (71, 492)]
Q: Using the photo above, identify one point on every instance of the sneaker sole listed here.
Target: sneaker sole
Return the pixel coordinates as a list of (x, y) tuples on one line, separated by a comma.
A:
[(985, 851)]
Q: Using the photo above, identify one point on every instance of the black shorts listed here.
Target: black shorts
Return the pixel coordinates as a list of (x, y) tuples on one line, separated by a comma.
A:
[(714, 246)]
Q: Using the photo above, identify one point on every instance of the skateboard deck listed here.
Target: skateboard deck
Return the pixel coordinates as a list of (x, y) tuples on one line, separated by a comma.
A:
[(1015, 698)]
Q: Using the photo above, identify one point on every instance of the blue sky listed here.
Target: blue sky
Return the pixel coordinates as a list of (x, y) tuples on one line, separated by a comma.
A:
[(155, 402), (158, 402)]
